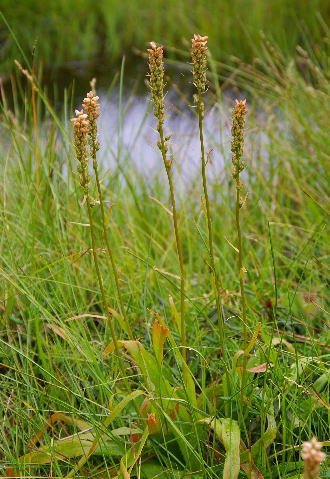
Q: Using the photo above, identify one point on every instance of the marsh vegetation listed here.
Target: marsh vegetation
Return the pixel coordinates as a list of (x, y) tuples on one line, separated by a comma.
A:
[(164, 275)]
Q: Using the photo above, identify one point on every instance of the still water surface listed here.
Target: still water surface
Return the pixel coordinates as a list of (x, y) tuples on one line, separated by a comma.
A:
[(128, 135)]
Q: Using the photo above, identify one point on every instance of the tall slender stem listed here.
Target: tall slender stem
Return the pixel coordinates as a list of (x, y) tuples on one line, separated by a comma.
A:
[(237, 147), (99, 278), (84, 124), (110, 252), (91, 107), (240, 259), (156, 83), (81, 127), (168, 168), (35, 129), (215, 279), (199, 50)]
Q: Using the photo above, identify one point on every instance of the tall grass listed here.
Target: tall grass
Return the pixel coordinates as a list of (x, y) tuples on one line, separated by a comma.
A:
[(53, 30), (66, 409)]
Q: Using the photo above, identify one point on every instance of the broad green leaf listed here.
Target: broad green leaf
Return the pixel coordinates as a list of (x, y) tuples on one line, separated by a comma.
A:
[(188, 447), (228, 432), (231, 437), (265, 440), (154, 379), (120, 406), (187, 376), (71, 447), (112, 416)]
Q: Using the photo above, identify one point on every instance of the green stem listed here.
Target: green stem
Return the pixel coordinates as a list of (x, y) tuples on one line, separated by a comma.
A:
[(240, 259), (215, 278), (100, 281), (241, 282), (109, 249), (168, 167)]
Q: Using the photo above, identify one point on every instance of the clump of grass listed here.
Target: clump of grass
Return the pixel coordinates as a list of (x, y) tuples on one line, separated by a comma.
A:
[(167, 417), (56, 29)]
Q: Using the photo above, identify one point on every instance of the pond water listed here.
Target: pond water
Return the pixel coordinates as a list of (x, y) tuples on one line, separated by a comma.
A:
[(128, 135), (127, 125)]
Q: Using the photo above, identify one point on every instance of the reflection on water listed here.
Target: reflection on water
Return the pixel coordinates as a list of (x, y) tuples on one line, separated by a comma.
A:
[(128, 136), (127, 125)]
